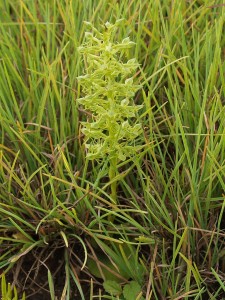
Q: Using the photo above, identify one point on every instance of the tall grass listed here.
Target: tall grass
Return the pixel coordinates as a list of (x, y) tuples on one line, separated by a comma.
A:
[(167, 238)]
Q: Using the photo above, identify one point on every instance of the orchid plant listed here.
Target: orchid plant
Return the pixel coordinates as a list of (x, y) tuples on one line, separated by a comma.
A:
[(108, 90)]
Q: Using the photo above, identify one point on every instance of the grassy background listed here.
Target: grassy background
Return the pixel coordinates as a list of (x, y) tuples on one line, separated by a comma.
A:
[(55, 209)]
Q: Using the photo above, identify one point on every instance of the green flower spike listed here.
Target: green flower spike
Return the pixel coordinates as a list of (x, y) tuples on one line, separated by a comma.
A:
[(109, 89)]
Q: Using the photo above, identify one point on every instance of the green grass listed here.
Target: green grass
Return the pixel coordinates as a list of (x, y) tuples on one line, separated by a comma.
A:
[(167, 238)]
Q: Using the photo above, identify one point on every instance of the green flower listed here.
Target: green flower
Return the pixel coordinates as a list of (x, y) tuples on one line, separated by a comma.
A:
[(108, 90)]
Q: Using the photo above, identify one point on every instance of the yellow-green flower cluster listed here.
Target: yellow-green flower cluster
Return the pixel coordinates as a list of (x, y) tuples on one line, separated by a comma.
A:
[(108, 90)]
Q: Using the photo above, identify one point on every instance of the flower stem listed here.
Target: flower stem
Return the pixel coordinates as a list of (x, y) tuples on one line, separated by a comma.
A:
[(112, 175)]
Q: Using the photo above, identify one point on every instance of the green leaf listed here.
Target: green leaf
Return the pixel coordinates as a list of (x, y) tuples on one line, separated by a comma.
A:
[(51, 285), (132, 291), (104, 268), (112, 287)]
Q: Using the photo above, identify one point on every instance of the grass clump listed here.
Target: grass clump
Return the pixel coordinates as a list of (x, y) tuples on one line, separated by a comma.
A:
[(6, 291), (83, 214)]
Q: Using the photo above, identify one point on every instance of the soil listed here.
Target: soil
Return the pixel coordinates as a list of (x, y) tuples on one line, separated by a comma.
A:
[(30, 273)]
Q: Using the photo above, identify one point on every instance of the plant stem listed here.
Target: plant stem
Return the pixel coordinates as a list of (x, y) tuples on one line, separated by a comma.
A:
[(112, 175)]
